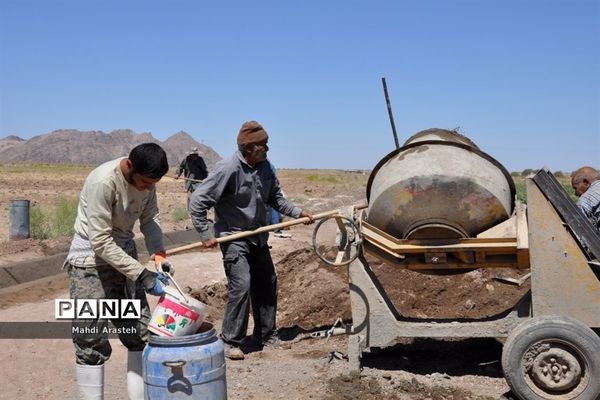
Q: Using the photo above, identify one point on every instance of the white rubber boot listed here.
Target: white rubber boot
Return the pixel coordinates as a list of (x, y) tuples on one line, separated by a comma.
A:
[(135, 380), (90, 379)]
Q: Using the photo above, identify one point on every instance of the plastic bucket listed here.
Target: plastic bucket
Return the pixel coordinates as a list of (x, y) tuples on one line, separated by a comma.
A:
[(176, 316), (188, 367)]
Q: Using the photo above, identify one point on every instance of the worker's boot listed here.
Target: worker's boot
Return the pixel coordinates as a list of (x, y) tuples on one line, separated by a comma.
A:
[(135, 380), (90, 379)]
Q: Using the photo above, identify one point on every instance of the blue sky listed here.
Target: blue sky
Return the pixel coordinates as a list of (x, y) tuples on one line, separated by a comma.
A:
[(520, 78)]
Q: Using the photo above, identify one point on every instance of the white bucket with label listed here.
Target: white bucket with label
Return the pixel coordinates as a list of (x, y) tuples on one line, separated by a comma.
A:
[(175, 315)]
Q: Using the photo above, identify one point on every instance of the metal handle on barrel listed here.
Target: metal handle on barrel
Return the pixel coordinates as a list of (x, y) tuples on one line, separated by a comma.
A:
[(177, 286), (174, 364)]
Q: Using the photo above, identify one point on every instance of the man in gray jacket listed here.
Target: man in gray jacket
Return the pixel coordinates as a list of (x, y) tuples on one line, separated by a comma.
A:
[(102, 261), (241, 189)]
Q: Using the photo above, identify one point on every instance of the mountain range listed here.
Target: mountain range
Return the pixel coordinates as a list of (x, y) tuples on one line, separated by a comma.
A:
[(70, 146)]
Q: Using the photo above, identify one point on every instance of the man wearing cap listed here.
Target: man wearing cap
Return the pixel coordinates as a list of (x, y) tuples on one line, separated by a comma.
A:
[(241, 189), (194, 170)]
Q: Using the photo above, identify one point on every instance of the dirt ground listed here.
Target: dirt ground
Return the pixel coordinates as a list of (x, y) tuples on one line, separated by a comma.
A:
[(311, 297)]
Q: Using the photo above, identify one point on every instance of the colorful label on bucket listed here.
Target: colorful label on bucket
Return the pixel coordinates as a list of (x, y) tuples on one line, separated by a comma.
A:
[(173, 319)]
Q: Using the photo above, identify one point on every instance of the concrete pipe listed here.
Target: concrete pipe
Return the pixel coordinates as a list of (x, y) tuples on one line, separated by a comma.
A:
[(438, 185)]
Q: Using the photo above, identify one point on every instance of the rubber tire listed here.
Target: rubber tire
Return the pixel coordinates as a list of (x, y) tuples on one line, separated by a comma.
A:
[(569, 331)]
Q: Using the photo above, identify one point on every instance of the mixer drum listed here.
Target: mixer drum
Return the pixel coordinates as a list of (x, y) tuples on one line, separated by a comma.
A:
[(438, 185)]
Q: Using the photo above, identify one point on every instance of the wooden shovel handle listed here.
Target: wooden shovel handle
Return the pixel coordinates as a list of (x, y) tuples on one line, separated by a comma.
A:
[(262, 229), (187, 179)]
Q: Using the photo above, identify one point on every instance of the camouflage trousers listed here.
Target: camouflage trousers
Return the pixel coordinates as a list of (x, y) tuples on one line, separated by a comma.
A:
[(90, 336)]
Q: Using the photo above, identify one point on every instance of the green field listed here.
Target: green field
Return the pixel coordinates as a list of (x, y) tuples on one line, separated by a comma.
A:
[(564, 180)]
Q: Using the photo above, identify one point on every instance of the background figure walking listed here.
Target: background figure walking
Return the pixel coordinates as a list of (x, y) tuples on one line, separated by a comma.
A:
[(193, 168)]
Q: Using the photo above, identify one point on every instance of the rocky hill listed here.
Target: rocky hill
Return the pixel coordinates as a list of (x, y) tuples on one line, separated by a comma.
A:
[(68, 146)]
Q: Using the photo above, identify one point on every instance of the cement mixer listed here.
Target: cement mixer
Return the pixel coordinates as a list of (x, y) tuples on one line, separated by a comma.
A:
[(440, 205), (438, 185)]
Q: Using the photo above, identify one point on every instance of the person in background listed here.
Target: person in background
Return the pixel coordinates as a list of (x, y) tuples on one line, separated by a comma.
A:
[(194, 170), (241, 189), (586, 183), (102, 262)]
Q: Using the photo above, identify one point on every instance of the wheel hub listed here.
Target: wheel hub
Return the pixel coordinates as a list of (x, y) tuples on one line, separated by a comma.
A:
[(556, 370)]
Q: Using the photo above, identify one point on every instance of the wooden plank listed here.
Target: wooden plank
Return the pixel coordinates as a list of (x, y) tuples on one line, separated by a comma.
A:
[(522, 230), (386, 250), (503, 245), (480, 257), (465, 256), (499, 248), (418, 267), (507, 228), (436, 258)]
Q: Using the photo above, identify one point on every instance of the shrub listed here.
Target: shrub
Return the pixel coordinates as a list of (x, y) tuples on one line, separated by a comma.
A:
[(323, 178), (560, 175), (39, 226), (179, 214), (527, 172), (54, 222), (520, 187)]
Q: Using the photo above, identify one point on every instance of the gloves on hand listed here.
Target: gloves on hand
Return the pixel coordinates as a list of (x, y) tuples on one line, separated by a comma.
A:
[(153, 282), (162, 264), (166, 266)]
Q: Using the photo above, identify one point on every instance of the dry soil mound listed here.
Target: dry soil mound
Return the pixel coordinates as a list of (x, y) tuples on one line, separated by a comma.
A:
[(313, 295)]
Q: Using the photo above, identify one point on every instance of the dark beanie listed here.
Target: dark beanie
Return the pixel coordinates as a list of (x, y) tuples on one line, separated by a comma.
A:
[(251, 132)]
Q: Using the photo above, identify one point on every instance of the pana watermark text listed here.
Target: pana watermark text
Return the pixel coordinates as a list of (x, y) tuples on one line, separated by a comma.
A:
[(97, 308)]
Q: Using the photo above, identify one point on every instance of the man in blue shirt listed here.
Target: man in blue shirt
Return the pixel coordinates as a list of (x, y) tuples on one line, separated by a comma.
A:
[(241, 189)]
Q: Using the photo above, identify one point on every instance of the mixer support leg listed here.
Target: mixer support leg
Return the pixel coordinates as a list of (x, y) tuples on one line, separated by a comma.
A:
[(354, 351)]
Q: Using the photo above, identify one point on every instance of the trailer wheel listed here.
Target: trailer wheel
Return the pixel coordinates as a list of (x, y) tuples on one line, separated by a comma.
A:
[(552, 358)]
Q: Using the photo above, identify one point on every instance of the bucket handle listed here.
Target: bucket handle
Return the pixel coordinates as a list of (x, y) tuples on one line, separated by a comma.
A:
[(174, 364)]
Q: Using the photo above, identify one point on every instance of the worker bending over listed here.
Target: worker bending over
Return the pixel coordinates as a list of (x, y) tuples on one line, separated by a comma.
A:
[(102, 262)]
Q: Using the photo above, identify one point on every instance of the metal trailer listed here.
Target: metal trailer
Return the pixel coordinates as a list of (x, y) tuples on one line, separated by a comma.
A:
[(551, 343)]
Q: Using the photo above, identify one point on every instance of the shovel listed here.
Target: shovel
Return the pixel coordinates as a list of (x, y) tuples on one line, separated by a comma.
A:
[(262, 229), (187, 179)]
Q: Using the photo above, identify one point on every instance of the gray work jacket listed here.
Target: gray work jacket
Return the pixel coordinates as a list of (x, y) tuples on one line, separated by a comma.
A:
[(241, 196)]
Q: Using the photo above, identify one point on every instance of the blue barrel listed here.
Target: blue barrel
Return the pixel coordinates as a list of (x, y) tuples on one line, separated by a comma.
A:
[(19, 220), (185, 367)]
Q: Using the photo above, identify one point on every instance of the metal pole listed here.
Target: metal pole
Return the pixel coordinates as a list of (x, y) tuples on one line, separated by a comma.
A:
[(389, 108)]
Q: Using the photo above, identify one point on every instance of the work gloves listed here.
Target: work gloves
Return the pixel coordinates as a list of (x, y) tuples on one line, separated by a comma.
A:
[(162, 264), (153, 282)]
